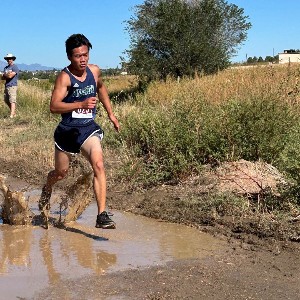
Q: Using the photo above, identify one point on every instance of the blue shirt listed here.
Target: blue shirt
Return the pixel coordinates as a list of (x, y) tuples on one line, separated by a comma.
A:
[(11, 81)]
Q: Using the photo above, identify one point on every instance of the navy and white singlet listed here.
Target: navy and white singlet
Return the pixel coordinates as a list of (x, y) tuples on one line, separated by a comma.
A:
[(77, 126)]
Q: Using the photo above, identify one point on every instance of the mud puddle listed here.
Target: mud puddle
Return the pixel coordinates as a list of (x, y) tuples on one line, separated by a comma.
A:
[(32, 258)]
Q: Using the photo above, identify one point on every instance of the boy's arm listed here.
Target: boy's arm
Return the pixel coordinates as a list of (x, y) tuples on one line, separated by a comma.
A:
[(103, 96)]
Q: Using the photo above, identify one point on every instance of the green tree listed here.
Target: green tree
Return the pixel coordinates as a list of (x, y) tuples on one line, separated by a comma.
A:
[(269, 58), (260, 59), (250, 60), (181, 37)]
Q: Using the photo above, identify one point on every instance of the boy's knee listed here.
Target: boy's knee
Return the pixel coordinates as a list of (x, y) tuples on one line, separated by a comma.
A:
[(62, 173), (99, 166), (58, 174)]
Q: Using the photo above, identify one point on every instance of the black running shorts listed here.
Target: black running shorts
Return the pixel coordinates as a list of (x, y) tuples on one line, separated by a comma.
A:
[(70, 139)]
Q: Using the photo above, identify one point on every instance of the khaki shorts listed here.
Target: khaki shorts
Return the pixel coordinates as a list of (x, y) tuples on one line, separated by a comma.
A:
[(10, 94)]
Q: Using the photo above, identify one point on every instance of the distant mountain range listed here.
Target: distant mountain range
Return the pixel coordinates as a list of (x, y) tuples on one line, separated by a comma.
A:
[(24, 67)]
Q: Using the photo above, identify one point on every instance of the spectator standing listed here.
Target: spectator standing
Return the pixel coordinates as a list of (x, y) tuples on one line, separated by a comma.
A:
[(10, 75)]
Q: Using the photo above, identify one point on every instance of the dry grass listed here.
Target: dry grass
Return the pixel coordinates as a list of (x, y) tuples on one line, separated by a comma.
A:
[(235, 83), (120, 83), (35, 93), (27, 141)]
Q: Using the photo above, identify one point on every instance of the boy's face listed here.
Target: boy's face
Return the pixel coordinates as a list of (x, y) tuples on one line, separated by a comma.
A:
[(80, 57)]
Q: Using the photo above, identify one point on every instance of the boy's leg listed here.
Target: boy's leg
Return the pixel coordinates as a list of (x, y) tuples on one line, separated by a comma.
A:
[(62, 161), (92, 150)]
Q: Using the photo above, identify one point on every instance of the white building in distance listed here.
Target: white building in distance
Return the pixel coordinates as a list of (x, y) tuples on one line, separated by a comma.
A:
[(289, 56)]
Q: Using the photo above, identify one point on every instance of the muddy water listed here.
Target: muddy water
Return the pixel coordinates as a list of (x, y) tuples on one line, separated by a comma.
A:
[(32, 258)]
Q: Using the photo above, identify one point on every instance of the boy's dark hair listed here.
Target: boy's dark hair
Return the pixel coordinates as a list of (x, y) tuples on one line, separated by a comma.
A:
[(75, 41)]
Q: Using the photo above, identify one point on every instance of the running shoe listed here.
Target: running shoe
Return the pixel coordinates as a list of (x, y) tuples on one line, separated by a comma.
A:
[(104, 221)]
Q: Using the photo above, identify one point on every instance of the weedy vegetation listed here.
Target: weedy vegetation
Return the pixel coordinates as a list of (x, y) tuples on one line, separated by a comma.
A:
[(176, 127)]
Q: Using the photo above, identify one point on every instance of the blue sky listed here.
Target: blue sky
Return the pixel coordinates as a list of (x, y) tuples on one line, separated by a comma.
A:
[(275, 27), (35, 30)]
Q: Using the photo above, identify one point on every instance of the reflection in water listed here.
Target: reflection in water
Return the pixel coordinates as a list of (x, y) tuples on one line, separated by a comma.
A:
[(14, 247), (36, 258), (45, 246), (76, 245)]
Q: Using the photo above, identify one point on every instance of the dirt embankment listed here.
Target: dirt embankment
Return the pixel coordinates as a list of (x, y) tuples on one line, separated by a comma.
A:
[(249, 218)]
